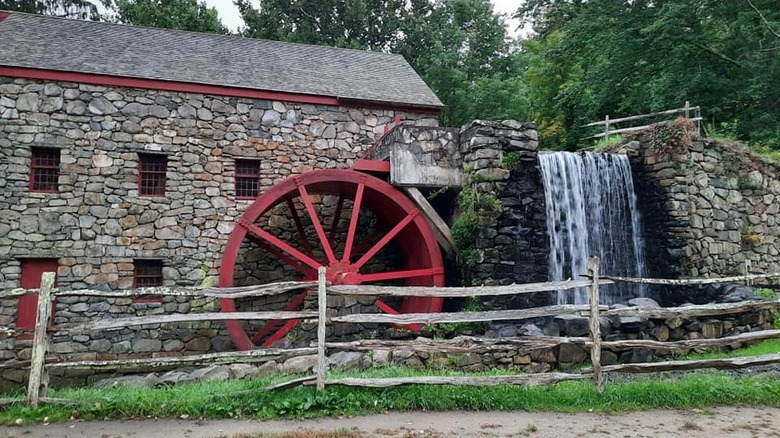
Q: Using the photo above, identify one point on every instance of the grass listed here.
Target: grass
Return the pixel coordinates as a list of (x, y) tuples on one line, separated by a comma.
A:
[(605, 144), (219, 399), (247, 398), (770, 346)]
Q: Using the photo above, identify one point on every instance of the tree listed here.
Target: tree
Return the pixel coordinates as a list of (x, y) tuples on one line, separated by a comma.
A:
[(459, 47), (63, 8), (598, 57), (360, 24), (170, 14)]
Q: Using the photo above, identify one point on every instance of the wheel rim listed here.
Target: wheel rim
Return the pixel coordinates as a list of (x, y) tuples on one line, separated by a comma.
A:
[(337, 242)]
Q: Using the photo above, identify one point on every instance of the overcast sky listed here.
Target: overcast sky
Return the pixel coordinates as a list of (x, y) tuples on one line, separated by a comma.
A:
[(228, 12)]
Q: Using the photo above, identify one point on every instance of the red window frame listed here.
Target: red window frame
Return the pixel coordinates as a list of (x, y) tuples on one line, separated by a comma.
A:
[(147, 273), (44, 170), (152, 169), (247, 180)]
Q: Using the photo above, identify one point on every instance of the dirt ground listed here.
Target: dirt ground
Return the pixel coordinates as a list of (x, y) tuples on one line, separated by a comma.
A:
[(732, 422)]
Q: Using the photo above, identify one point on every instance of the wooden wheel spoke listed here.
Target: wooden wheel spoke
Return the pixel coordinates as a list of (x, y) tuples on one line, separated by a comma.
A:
[(353, 221), (278, 243), (301, 231), (315, 220), (387, 238), (268, 328), (303, 269), (395, 275)]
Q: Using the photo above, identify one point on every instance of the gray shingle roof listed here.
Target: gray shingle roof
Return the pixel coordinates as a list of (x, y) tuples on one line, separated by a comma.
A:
[(51, 43)]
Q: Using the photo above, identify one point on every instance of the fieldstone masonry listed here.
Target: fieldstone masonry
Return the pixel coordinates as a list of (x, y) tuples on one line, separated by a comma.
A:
[(512, 246), (96, 224), (711, 208)]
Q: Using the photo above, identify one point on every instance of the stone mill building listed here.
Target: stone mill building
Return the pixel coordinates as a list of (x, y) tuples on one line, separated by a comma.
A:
[(127, 153)]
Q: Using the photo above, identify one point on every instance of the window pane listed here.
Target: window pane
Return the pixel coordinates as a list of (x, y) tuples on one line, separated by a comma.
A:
[(247, 178), (151, 174), (44, 169)]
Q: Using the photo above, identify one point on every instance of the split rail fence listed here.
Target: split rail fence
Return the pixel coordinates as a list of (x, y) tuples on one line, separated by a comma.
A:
[(611, 125), (39, 366)]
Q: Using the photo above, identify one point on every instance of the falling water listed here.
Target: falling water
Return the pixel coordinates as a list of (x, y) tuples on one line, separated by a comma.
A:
[(591, 211)]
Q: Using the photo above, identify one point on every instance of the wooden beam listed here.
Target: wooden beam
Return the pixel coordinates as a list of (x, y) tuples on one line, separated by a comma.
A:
[(251, 356), (191, 291), (731, 363), (460, 344), (107, 324), (39, 377), (695, 310), (521, 380), (437, 318), (461, 292), (595, 325), (440, 228), (322, 302)]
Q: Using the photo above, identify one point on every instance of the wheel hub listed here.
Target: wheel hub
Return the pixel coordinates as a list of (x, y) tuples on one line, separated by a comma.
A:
[(343, 273)]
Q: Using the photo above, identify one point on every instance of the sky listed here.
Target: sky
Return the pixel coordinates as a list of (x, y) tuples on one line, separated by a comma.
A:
[(228, 12)]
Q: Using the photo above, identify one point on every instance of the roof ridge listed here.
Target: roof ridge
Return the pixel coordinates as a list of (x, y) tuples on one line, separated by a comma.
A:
[(192, 32)]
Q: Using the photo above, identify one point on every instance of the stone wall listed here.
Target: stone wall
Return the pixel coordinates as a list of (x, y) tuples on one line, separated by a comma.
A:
[(512, 245), (96, 225), (710, 208)]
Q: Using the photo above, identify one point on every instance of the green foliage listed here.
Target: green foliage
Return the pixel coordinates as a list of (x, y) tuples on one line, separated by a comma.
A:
[(771, 346), (170, 14), (511, 161), (83, 9), (598, 57), (771, 295), (459, 47), (605, 144), (473, 207)]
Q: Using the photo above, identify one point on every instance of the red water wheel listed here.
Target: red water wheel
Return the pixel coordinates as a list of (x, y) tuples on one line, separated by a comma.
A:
[(360, 227)]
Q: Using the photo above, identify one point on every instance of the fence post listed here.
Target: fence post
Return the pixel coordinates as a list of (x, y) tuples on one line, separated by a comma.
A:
[(687, 110), (595, 328), (322, 306), (606, 127), (39, 376)]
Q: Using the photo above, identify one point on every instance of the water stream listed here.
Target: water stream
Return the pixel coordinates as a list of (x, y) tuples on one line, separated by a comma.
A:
[(591, 211)]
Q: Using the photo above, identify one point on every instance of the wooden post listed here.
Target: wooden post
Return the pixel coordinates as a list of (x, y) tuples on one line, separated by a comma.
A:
[(322, 304), (39, 377), (595, 328), (687, 110), (606, 127)]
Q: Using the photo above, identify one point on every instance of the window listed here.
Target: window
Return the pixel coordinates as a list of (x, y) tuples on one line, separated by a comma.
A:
[(44, 170), (247, 179), (147, 273), (151, 174)]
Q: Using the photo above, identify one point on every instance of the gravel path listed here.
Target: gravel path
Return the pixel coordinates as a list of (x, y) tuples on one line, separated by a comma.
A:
[(731, 422)]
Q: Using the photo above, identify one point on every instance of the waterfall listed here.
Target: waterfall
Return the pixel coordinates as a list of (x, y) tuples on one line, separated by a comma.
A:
[(591, 211)]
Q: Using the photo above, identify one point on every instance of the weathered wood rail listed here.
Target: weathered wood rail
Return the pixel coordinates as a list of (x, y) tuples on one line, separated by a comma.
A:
[(39, 366), (689, 112)]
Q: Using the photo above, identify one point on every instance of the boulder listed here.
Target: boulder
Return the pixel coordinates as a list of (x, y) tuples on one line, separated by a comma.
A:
[(572, 325)]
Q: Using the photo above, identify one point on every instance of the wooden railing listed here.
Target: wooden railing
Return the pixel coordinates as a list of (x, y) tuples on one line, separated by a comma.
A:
[(38, 381), (611, 125)]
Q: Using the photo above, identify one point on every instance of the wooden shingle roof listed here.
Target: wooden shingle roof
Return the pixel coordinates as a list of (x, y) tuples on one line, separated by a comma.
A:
[(57, 44)]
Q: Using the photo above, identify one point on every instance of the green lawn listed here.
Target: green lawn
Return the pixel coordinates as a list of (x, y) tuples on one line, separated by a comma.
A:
[(219, 399)]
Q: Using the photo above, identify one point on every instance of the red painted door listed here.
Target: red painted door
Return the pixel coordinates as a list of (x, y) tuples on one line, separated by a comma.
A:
[(31, 279)]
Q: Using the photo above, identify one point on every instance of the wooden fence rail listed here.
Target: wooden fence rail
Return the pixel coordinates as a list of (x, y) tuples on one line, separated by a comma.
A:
[(689, 112), (593, 279)]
